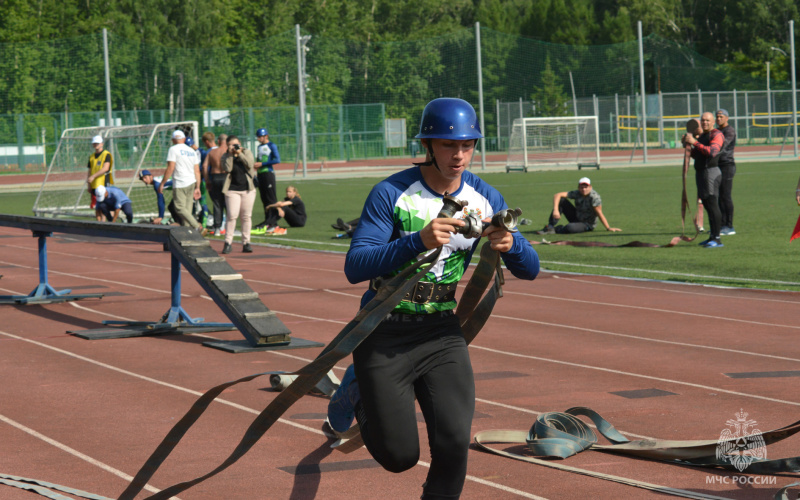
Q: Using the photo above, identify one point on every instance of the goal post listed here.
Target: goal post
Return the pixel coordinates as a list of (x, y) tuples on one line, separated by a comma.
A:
[(553, 142), (64, 192)]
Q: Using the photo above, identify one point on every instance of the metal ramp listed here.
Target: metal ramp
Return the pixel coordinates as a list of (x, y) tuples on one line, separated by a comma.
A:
[(240, 303)]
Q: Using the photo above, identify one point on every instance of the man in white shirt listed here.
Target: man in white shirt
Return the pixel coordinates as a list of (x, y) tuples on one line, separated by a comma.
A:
[(183, 167)]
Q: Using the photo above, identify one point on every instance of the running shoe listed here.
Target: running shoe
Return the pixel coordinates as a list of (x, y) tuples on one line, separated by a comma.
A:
[(341, 408), (279, 231), (714, 244), (259, 230), (247, 248), (226, 248), (704, 243), (727, 231)]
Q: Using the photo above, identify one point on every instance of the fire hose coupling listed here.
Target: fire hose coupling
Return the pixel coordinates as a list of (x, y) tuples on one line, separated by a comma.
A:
[(474, 226)]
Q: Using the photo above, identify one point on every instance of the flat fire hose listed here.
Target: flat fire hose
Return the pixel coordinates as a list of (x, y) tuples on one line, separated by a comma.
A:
[(561, 435), (45, 489), (367, 319)]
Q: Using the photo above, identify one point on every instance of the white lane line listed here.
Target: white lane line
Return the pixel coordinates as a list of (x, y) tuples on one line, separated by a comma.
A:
[(651, 309), (72, 451), (534, 412), (237, 406), (707, 291), (629, 374), (646, 339), (102, 280), (672, 273)]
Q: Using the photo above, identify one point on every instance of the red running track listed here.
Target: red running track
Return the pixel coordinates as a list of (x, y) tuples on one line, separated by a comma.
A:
[(87, 414)]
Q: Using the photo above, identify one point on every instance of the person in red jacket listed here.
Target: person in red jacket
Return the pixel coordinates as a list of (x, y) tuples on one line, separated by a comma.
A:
[(705, 151)]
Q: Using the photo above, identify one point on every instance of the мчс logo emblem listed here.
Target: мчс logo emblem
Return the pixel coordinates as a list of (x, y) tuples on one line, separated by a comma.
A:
[(741, 443)]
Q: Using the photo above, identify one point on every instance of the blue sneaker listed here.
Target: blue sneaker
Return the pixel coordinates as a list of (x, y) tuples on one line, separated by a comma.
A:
[(714, 244), (704, 243), (341, 408)]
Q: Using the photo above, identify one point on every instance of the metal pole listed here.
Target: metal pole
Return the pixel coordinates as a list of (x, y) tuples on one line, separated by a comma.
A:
[(480, 93), (108, 79), (301, 87), (644, 96), (794, 85), (769, 108)]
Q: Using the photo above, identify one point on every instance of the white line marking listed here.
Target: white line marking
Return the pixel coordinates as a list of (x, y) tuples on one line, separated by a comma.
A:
[(637, 375), (72, 451), (619, 268), (240, 407), (647, 339), (652, 309), (705, 293)]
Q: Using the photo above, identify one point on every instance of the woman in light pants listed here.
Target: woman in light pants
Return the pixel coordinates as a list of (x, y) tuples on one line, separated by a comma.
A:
[(240, 192)]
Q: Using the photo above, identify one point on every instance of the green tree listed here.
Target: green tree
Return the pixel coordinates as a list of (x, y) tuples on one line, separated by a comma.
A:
[(550, 98)]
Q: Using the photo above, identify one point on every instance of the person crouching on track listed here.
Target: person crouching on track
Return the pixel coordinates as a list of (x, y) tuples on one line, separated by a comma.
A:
[(240, 192), (110, 202), (418, 351)]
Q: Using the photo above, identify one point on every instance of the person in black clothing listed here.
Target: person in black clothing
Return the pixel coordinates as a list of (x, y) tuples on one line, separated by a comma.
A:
[(727, 166), (291, 208), (705, 151)]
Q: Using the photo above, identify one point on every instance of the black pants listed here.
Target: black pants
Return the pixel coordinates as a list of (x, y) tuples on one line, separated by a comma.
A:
[(708, 181), (218, 197), (292, 218), (726, 195), (568, 210), (424, 357), (108, 211), (267, 189)]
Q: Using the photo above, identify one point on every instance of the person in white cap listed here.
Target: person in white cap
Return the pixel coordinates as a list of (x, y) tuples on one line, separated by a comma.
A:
[(582, 216), (100, 166), (183, 166), (110, 202)]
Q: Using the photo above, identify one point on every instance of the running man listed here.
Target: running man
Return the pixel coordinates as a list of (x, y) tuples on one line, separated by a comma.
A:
[(418, 351)]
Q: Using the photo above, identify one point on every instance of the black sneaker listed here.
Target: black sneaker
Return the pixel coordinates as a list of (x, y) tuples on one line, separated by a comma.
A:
[(247, 248), (227, 248)]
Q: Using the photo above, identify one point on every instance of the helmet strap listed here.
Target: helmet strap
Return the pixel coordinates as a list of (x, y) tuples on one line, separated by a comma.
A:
[(429, 149)]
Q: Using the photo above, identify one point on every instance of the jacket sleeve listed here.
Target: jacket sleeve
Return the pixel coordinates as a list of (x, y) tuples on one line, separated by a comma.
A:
[(714, 147), (226, 162), (373, 251), (274, 156)]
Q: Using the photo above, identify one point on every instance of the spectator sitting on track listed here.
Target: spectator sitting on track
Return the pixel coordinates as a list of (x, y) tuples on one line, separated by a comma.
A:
[(110, 201), (291, 208), (149, 180), (582, 216)]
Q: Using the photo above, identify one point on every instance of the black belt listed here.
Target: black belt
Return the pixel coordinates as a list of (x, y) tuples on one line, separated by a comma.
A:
[(425, 291)]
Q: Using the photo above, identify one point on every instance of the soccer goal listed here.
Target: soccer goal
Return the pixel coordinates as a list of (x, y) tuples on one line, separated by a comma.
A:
[(553, 141), (64, 191)]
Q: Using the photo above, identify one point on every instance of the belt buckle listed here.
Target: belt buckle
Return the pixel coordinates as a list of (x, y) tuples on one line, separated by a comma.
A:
[(418, 297)]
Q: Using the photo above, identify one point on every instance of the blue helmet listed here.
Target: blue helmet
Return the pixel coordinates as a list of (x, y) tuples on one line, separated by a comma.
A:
[(449, 118), (189, 141), (261, 132)]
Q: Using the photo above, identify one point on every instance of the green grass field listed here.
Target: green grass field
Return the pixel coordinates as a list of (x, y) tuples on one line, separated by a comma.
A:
[(643, 201)]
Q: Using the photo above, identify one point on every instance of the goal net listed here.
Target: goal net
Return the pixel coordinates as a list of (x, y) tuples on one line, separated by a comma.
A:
[(64, 191), (554, 141)]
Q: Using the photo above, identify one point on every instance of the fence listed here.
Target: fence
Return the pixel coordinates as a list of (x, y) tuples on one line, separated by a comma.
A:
[(352, 87)]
